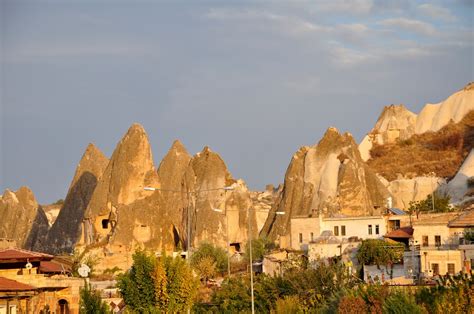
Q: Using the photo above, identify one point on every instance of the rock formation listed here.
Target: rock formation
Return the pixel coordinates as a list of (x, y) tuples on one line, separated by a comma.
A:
[(459, 186), (66, 230), (395, 123), (329, 178), (122, 215), (129, 170), (435, 116), (405, 190), (23, 220)]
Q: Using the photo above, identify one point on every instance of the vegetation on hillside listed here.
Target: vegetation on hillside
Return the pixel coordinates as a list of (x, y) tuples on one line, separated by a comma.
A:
[(441, 152)]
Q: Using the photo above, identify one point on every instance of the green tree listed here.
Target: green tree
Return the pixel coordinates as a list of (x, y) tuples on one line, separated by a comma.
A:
[(260, 247), (206, 268), (137, 286), (91, 302), (401, 302), (218, 254), (441, 205), (181, 284), (161, 282), (154, 285), (380, 252)]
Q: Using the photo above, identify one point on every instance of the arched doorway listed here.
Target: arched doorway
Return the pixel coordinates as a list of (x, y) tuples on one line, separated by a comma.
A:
[(63, 307)]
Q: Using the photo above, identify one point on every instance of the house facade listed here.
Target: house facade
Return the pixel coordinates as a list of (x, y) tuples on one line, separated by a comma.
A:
[(31, 282)]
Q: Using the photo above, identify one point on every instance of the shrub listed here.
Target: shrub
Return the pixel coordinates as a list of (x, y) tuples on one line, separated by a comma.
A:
[(352, 305), (288, 305), (217, 254), (401, 302), (379, 252), (91, 302)]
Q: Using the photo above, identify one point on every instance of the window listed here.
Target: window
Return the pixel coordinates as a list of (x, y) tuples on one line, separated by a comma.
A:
[(105, 223), (336, 230), (425, 240), (311, 236), (451, 268), (370, 229), (437, 240), (377, 231), (435, 268), (343, 230), (301, 238)]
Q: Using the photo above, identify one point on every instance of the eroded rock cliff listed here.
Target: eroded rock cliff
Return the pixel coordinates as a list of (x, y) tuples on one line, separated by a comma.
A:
[(329, 178), (23, 220), (66, 230)]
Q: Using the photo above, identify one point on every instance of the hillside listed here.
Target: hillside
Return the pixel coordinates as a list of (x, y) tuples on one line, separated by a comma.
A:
[(441, 152)]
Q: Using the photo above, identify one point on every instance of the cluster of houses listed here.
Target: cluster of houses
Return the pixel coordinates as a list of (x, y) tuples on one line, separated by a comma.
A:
[(435, 243)]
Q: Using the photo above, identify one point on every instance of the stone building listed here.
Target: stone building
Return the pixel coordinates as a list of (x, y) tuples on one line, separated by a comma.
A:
[(31, 282)]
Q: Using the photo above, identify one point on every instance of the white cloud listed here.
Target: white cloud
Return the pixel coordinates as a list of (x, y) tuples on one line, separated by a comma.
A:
[(289, 24), (410, 25), (352, 7), (436, 12)]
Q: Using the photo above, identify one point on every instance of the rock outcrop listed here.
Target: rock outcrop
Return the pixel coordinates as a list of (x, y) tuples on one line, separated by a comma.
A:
[(66, 230), (129, 170), (459, 186), (405, 190), (395, 123), (23, 220), (330, 179), (435, 116)]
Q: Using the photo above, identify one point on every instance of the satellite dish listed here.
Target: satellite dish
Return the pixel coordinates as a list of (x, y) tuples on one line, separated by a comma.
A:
[(84, 270), (28, 265)]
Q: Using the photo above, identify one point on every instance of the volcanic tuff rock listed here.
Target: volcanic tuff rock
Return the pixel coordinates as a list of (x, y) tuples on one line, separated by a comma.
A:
[(23, 220), (435, 116), (404, 190), (329, 178), (66, 230), (395, 122), (130, 169), (122, 216), (458, 186)]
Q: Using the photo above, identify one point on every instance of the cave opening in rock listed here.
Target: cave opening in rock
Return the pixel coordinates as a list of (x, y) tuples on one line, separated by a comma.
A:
[(105, 223)]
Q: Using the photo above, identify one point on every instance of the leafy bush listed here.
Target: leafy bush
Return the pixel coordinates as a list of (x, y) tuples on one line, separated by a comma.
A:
[(217, 254), (401, 302), (441, 205), (288, 305), (91, 302), (260, 246), (379, 252)]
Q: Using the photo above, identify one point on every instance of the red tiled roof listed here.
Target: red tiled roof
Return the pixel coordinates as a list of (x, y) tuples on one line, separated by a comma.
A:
[(12, 285), (402, 233), (15, 254), (52, 267)]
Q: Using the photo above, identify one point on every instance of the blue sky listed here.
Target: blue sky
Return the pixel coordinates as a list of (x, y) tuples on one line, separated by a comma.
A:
[(254, 80)]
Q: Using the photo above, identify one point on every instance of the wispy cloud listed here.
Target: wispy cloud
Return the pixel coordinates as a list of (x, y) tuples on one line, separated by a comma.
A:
[(289, 24), (352, 7), (436, 12), (410, 25)]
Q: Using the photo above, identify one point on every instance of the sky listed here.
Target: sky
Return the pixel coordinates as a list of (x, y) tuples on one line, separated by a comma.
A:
[(253, 80)]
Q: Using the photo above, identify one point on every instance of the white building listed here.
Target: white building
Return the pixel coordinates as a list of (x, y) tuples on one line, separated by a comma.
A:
[(304, 230)]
